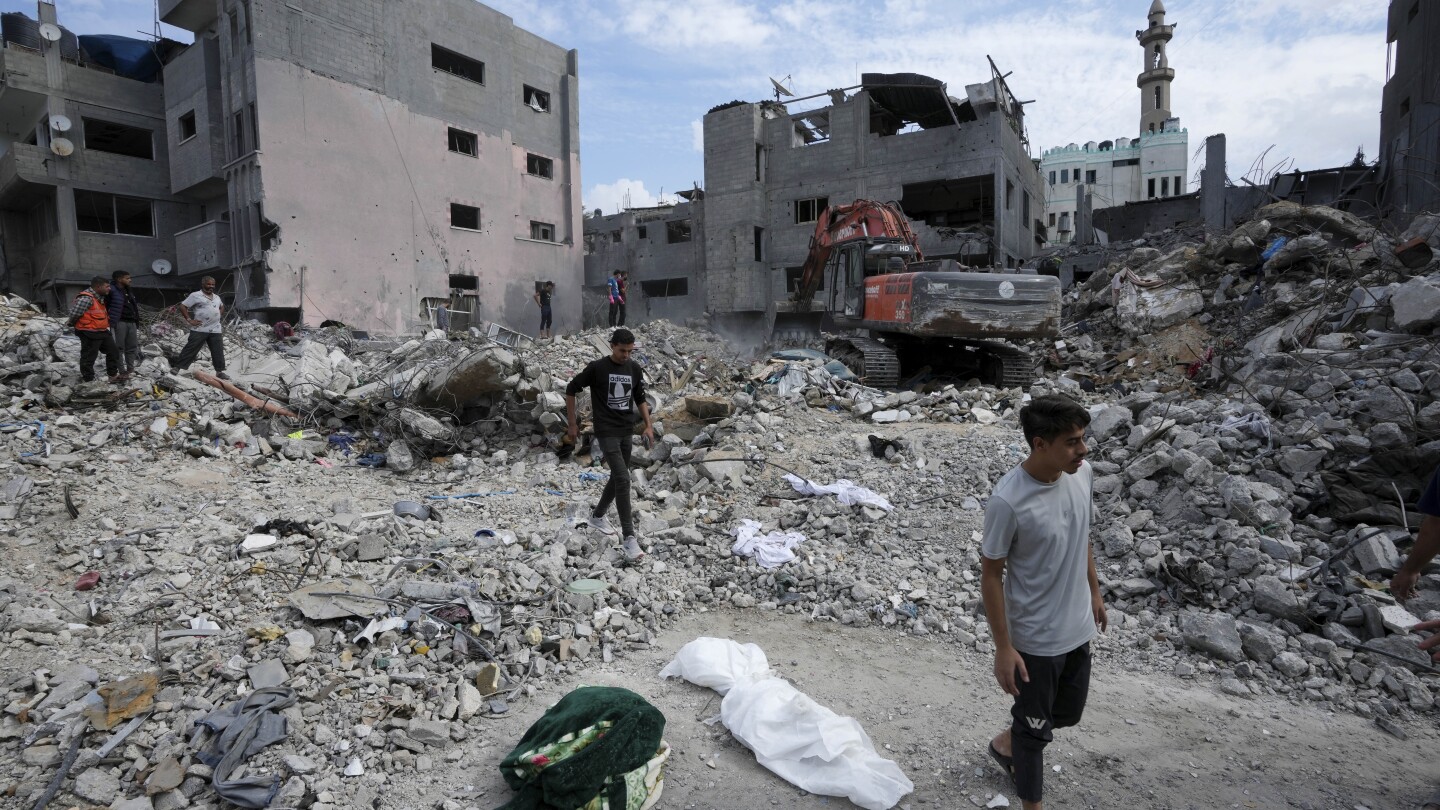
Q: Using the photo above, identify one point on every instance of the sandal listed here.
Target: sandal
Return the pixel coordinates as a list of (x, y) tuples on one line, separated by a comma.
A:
[(1007, 764)]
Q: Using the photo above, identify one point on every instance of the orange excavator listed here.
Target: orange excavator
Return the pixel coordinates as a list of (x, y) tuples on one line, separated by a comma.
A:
[(903, 313)]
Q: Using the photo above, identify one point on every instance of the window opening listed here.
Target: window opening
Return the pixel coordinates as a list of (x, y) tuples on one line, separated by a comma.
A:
[(615, 237), (759, 163), (462, 142), (187, 126), (119, 139), (238, 127), (811, 128), (1164, 187), (1009, 194), (97, 212), (254, 129), (1064, 175), (1179, 189), (1052, 177), (457, 64), (1152, 187), (665, 288), (808, 210), (640, 231), (537, 100), (464, 216), (542, 231), (461, 281), (677, 231), (1089, 175), (759, 244), (1158, 91), (539, 166)]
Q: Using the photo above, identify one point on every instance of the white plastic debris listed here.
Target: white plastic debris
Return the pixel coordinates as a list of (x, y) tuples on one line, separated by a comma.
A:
[(804, 743), (998, 800), (256, 542), (354, 768), (769, 550), (378, 626), (848, 493)]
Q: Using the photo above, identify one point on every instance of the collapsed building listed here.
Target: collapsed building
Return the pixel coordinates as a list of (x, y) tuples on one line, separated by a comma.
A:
[(324, 161), (662, 247)]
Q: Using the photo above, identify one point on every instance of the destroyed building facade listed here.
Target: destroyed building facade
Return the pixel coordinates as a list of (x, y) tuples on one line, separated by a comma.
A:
[(1410, 111), (959, 168), (84, 164), (661, 247), (367, 162), (1111, 173)]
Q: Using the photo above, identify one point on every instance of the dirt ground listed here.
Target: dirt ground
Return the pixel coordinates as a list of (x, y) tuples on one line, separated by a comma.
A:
[(1148, 740)]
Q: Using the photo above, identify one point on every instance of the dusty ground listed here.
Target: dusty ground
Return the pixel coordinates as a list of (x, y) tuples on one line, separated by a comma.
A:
[(1152, 741)]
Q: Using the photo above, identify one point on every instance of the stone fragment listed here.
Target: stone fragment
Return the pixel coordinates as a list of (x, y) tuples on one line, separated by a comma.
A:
[(1260, 643), (1271, 595), (430, 732), (1397, 619), (1377, 554), (1417, 303), (96, 785), (1110, 420), (1213, 634), (1291, 664), (398, 457)]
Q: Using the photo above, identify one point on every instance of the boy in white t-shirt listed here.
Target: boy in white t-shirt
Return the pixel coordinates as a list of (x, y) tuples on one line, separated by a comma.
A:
[(202, 310), (1038, 582)]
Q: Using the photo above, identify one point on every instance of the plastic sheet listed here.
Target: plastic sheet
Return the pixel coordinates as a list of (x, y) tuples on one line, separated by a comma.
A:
[(801, 741), (848, 493), (769, 550)]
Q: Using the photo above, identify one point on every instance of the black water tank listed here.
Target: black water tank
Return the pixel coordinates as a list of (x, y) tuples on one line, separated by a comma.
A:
[(20, 29)]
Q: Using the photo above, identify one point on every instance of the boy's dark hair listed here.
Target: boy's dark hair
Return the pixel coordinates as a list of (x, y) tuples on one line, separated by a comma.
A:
[(624, 337), (98, 280), (1049, 416)]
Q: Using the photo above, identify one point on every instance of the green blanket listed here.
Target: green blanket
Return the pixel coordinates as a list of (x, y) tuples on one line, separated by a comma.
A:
[(599, 747)]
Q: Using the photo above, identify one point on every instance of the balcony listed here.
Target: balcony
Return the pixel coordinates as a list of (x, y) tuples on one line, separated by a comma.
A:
[(203, 247), (22, 171), (192, 15), (1154, 74)]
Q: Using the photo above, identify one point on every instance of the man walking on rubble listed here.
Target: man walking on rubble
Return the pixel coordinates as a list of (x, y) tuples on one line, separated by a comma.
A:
[(202, 311), (124, 321), (1041, 594), (617, 299), (91, 319), (1402, 585), (617, 392), (547, 315)]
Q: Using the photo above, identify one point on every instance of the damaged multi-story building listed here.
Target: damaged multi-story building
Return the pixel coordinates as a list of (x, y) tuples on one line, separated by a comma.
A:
[(361, 161), (1410, 111), (368, 161), (661, 247), (960, 168), (84, 163), (1111, 173)]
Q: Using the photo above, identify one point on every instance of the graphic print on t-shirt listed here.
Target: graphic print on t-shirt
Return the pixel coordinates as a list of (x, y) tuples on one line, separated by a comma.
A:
[(618, 393)]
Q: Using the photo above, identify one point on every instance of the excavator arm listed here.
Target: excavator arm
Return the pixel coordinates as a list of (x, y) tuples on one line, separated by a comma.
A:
[(840, 223)]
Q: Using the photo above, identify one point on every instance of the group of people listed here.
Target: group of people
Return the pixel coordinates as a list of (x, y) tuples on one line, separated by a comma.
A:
[(106, 318), (1039, 588)]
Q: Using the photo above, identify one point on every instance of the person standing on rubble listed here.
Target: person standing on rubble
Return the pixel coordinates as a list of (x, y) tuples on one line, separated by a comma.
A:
[(91, 319), (124, 321), (617, 299), (1402, 585), (1041, 594), (617, 393), (542, 299), (202, 310)]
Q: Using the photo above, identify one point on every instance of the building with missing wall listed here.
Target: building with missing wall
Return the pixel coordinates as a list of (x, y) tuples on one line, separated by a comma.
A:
[(662, 247), (1110, 173)]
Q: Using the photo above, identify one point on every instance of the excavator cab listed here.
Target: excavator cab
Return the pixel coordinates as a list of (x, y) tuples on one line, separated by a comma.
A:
[(856, 261)]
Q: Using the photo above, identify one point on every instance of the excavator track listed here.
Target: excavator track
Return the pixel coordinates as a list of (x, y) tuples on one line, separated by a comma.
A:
[(1006, 366), (873, 362)]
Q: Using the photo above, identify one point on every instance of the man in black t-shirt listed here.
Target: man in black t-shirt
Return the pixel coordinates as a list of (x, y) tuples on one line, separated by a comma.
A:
[(617, 393)]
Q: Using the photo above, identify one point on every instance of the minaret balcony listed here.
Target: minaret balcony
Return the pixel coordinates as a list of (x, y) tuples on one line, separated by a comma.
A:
[(1154, 32), (1155, 75)]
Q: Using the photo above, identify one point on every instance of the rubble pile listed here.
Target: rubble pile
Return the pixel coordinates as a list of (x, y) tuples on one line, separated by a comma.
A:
[(401, 559)]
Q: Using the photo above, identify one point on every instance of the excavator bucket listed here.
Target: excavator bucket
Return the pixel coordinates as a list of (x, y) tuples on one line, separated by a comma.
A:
[(798, 327)]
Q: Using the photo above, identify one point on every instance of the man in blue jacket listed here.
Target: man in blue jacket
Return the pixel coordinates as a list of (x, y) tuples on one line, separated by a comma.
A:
[(124, 321)]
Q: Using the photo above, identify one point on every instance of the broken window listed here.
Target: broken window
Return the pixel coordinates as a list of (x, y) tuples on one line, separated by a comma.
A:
[(811, 128), (537, 100), (1052, 177), (1152, 187), (97, 212), (665, 288), (1052, 219), (1130, 162), (460, 281), (464, 216), (187, 126), (542, 231), (808, 210), (759, 238), (1179, 189), (539, 166), (1064, 175), (615, 237), (1009, 194), (119, 139), (640, 231), (1158, 91), (237, 124), (677, 231), (1164, 187), (462, 142), (1089, 175), (759, 163), (456, 64)]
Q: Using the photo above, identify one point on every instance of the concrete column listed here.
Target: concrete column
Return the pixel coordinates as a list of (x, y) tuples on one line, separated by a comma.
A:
[(65, 218), (1084, 233), (1212, 185)]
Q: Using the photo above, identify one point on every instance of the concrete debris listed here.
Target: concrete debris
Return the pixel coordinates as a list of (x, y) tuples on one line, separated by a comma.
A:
[(1257, 448)]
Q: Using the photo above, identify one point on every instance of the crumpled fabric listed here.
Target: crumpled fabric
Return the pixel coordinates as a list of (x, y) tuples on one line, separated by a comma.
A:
[(848, 493), (769, 550), (245, 727), (1256, 424)]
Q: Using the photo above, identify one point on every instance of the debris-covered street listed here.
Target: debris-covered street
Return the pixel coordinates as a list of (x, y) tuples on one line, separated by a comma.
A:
[(377, 540)]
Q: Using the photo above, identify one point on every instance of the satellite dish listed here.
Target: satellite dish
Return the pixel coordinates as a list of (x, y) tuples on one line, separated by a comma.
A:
[(780, 89), (50, 32), (60, 123), (62, 147), (160, 267)]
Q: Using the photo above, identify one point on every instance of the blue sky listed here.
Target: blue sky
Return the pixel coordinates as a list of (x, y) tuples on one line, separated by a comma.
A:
[(1300, 78)]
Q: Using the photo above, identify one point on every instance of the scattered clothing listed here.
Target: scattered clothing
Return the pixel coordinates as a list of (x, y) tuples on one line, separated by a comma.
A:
[(848, 493), (246, 726), (769, 550)]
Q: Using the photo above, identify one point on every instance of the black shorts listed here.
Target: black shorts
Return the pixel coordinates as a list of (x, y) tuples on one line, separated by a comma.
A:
[(1053, 698), (545, 317)]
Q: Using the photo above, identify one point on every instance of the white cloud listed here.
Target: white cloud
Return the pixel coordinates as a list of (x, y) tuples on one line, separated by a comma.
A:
[(611, 198), (697, 24), (697, 135)]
